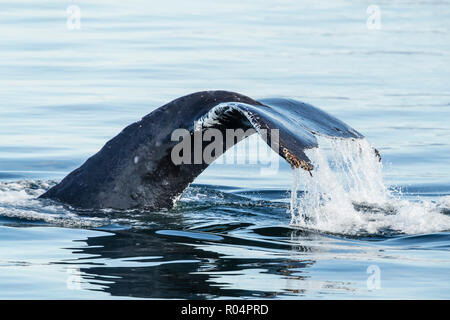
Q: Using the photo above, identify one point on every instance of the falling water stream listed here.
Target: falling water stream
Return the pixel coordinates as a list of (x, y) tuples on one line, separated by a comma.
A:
[(346, 195)]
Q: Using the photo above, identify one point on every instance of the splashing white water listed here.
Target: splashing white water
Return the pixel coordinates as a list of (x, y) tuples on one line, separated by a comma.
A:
[(19, 200), (346, 195)]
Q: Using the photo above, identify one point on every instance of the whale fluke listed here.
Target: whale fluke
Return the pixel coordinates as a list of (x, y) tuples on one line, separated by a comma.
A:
[(135, 169)]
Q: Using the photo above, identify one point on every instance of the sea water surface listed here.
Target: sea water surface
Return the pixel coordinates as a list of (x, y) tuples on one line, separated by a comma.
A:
[(356, 229)]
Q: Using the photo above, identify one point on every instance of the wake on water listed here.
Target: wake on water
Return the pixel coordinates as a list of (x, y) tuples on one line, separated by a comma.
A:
[(18, 200), (346, 195)]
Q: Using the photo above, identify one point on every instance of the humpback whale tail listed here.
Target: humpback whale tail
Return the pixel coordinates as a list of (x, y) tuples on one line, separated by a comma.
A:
[(136, 168)]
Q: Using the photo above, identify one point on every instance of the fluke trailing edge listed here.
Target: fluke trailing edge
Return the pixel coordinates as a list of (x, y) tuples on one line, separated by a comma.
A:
[(135, 169)]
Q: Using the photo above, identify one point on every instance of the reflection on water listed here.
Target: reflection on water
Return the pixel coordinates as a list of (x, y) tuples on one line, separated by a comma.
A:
[(196, 252), (147, 264), (218, 242), (273, 262)]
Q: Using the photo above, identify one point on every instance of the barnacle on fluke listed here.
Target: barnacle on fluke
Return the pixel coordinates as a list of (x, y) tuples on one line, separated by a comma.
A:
[(297, 163)]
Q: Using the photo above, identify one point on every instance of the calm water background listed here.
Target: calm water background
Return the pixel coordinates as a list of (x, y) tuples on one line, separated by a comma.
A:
[(64, 93)]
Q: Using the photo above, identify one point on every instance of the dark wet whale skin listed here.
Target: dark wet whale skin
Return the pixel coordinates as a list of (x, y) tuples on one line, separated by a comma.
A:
[(112, 178)]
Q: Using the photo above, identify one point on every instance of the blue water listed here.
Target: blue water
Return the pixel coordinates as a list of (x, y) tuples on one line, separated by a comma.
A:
[(65, 92)]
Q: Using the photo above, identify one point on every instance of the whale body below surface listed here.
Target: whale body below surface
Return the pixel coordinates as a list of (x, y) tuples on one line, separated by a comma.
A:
[(135, 169)]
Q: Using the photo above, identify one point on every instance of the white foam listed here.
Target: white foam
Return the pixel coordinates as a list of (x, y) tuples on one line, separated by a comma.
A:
[(444, 202), (346, 195), (19, 200)]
